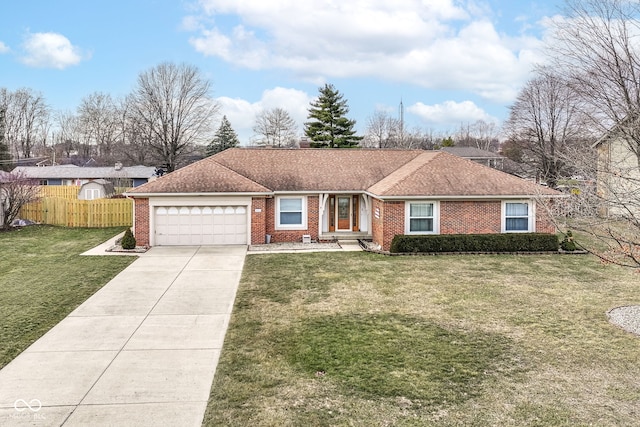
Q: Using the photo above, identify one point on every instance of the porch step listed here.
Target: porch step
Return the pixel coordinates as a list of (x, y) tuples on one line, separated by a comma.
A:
[(345, 236), (350, 245), (350, 242)]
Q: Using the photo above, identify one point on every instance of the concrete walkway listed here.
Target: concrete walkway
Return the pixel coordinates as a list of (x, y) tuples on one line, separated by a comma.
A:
[(142, 351)]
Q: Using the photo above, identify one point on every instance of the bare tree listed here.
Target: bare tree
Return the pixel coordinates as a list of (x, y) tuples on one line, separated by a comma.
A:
[(98, 123), (481, 134), (275, 127), (382, 130), (544, 119), (67, 137), (5, 156), (15, 191), (135, 136), (26, 120), (595, 50), (173, 103)]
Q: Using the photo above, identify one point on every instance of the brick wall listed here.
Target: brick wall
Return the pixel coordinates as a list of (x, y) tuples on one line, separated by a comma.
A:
[(388, 222), (313, 213), (544, 224), (456, 217), (470, 217), (258, 220), (141, 222), (393, 222)]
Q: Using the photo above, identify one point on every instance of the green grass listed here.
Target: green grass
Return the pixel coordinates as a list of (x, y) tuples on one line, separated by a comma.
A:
[(445, 370), (359, 339), (43, 279)]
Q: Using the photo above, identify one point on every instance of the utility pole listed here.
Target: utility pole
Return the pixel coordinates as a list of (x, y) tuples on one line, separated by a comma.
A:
[(401, 123)]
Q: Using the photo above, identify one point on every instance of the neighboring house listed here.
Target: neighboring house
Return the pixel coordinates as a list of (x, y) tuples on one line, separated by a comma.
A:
[(484, 157), (120, 176), (617, 176), (243, 195), (96, 189)]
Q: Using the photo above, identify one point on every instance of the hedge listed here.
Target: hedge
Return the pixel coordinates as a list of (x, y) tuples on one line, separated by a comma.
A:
[(515, 242)]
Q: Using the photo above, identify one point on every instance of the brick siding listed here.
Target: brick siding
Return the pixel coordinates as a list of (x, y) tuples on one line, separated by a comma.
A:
[(258, 222), (456, 217), (141, 222), (265, 224), (544, 224), (388, 223), (470, 217)]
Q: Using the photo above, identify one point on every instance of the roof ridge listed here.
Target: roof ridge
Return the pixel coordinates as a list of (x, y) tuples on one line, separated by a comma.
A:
[(238, 173), (411, 166)]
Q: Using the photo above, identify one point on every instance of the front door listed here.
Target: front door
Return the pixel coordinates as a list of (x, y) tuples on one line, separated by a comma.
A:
[(344, 212)]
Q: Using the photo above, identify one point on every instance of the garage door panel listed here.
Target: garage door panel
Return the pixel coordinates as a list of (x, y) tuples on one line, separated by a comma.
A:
[(198, 225)]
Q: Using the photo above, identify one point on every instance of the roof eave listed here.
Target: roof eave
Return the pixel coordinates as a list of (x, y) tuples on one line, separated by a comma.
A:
[(467, 197), (201, 194)]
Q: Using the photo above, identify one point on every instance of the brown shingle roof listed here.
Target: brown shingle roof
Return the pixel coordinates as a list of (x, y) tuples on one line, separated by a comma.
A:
[(205, 176), (315, 169), (381, 172), (443, 174)]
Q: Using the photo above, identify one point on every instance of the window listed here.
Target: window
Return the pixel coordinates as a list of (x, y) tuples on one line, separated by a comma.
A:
[(517, 217), (91, 193), (421, 218), (291, 213)]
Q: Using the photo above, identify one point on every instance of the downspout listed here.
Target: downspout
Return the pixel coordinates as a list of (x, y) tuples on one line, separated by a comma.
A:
[(322, 201), (367, 204)]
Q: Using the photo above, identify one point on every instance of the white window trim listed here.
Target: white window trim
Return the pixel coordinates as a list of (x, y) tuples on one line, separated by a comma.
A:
[(91, 193), (436, 217), (303, 226), (531, 224)]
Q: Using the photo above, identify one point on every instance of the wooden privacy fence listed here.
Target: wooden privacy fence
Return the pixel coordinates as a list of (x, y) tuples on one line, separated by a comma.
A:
[(68, 191), (60, 191), (98, 213)]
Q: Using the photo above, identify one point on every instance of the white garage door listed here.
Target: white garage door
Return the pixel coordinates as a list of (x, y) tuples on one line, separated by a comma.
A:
[(200, 225)]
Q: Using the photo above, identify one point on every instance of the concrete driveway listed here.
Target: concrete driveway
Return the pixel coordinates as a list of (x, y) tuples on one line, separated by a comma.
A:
[(142, 351)]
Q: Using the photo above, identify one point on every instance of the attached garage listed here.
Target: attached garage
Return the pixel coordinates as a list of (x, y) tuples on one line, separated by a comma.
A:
[(200, 225)]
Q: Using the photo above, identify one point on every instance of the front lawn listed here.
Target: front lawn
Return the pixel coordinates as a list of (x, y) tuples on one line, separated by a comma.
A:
[(361, 339), (43, 278)]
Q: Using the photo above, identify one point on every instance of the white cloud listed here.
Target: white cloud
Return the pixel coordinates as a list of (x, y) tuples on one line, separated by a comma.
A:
[(242, 113), (50, 50), (450, 113), (4, 48), (435, 45)]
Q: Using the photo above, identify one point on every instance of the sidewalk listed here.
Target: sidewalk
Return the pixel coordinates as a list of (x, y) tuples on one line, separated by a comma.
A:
[(142, 351)]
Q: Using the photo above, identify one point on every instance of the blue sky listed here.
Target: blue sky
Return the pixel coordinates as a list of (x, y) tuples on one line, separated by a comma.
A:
[(451, 62)]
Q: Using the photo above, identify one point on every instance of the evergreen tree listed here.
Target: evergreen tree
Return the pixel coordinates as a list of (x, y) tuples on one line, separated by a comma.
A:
[(5, 156), (328, 126), (224, 138)]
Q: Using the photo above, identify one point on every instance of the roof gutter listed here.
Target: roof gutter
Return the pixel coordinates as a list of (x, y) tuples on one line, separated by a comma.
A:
[(134, 195), (487, 197)]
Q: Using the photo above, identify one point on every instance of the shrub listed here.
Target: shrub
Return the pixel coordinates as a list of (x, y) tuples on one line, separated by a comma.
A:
[(568, 244), (525, 242), (128, 241)]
